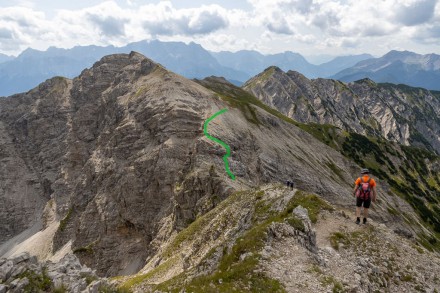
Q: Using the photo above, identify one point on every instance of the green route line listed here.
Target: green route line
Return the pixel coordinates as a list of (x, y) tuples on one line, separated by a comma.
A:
[(228, 149)]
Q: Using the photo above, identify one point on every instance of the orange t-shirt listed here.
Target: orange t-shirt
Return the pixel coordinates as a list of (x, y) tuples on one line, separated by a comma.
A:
[(365, 179)]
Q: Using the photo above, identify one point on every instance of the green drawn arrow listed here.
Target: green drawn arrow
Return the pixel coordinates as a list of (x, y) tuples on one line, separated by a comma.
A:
[(228, 149)]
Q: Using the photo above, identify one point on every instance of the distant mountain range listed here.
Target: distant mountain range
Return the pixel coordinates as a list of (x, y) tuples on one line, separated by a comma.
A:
[(253, 62), (31, 67), (4, 58), (399, 67)]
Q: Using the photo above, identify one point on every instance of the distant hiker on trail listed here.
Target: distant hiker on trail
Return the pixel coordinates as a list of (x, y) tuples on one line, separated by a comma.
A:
[(365, 191), (289, 184)]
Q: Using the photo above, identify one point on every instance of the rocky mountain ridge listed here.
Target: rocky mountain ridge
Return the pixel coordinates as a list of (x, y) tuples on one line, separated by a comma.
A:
[(118, 172), (398, 67), (4, 58), (399, 113)]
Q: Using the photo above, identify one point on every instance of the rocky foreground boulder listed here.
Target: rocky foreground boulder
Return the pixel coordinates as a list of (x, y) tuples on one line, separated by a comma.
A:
[(24, 273)]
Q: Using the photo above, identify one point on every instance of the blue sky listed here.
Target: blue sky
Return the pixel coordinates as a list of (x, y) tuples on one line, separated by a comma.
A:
[(310, 27)]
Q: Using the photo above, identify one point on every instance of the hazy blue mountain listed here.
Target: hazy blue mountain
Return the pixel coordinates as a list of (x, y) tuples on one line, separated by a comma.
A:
[(4, 58), (397, 67), (32, 67), (253, 62), (341, 63), (190, 60)]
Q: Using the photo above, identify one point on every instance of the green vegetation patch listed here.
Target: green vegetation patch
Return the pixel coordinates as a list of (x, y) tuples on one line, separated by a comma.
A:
[(327, 280), (337, 238), (325, 133), (407, 278), (234, 273), (331, 281), (313, 203), (392, 211), (430, 242), (88, 249), (159, 270), (356, 239), (37, 282), (296, 223), (197, 226), (335, 169)]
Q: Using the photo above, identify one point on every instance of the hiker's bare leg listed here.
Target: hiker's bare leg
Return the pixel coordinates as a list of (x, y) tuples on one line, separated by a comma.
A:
[(358, 212), (365, 213)]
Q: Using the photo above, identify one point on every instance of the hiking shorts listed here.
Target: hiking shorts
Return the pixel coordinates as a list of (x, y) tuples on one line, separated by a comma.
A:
[(365, 202)]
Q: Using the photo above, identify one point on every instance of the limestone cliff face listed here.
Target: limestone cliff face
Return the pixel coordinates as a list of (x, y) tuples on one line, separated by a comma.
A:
[(33, 132), (399, 113), (133, 136)]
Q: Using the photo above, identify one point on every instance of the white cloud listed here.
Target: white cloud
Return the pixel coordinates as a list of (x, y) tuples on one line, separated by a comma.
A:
[(164, 19), (108, 18), (277, 23), (108, 23), (18, 26), (415, 12), (347, 26), (6, 34)]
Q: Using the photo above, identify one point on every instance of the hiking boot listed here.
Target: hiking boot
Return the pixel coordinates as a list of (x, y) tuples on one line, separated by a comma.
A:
[(364, 221), (358, 221)]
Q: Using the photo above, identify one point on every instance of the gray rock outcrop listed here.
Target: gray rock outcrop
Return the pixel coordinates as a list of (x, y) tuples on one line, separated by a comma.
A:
[(396, 112), (24, 273)]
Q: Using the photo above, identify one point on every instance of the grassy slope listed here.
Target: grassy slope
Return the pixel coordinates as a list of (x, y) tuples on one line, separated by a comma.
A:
[(234, 274)]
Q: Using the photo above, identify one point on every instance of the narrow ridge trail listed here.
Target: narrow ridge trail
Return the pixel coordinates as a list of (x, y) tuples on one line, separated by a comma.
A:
[(223, 144)]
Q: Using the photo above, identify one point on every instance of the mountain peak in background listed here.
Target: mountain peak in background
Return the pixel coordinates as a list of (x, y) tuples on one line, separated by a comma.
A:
[(191, 60), (398, 67), (352, 106), (4, 58)]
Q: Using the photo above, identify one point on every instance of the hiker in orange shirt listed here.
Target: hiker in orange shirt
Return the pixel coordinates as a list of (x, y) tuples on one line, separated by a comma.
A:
[(365, 191)]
